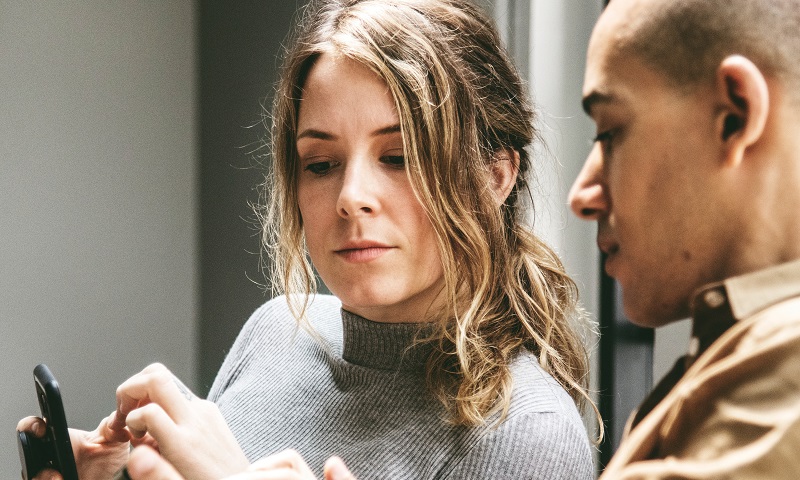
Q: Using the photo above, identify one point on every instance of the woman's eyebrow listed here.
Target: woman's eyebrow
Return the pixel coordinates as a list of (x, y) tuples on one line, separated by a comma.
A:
[(322, 135), (386, 130), (318, 134)]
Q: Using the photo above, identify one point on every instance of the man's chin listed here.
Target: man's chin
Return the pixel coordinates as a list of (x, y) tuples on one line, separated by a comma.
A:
[(652, 315)]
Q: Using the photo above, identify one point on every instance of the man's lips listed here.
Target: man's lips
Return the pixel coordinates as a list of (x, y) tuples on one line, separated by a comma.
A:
[(607, 246), (610, 248), (605, 238)]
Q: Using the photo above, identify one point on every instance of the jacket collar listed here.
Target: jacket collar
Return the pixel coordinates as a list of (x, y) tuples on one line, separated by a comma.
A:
[(718, 306)]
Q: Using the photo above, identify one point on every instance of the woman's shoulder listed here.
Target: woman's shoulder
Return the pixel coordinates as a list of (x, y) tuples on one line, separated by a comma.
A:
[(275, 320), (316, 304), (542, 436), (280, 311), (543, 431), (273, 334), (534, 445), (535, 391)]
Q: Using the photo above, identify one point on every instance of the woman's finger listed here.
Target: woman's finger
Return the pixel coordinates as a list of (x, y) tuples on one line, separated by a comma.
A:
[(151, 419), (146, 464), (335, 469), (48, 474), (34, 425), (110, 432), (287, 459), (275, 474), (147, 440), (154, 384)]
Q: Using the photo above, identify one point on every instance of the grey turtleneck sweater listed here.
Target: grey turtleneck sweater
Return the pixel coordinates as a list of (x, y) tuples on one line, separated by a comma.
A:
[(359, 392)]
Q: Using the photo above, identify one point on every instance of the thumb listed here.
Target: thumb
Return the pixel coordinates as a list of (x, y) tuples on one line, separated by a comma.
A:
[(146, 464), (335, 469)]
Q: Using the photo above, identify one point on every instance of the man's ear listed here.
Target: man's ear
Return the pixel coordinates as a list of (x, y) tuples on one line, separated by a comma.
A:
[(504, 166), (744, 97)]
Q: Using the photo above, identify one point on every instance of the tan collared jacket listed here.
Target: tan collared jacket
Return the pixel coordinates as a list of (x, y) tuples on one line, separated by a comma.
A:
[(735, 412)]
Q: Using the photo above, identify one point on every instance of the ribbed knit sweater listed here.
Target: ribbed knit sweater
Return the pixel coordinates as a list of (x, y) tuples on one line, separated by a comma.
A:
[(359, 392)]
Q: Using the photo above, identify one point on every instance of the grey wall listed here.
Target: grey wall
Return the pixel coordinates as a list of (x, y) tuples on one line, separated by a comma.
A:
[(97, 201)]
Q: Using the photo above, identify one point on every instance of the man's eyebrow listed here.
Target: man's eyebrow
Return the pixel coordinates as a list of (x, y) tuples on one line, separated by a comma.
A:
[(593, 99)]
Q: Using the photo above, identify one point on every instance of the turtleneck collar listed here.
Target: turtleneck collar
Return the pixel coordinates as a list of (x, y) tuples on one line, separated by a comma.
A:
[(383, 346)]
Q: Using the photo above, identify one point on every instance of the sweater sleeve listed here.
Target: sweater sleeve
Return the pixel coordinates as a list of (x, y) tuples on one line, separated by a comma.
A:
[(557, 450)]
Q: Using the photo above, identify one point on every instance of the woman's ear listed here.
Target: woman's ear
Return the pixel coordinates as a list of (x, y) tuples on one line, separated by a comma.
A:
[(744, 96), (504, 166)]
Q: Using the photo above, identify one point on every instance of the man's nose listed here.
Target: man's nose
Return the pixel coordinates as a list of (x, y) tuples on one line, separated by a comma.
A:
[(588, 197)]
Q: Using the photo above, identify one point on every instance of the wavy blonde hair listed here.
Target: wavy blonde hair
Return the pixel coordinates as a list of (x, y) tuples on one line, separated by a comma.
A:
[(460, 102)]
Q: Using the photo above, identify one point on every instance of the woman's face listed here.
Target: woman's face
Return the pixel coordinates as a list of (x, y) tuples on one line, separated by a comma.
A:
[(367, 234)]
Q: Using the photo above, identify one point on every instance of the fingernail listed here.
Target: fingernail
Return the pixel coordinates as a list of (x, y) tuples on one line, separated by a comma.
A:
[(336, 470), (37, 428)]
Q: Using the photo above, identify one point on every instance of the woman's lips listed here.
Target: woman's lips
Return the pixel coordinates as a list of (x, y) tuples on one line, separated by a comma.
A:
[(362, 254)]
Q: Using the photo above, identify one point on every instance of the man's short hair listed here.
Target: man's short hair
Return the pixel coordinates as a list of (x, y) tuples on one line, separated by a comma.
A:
[(687, 39)]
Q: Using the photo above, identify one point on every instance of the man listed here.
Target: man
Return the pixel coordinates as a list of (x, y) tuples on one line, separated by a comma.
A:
[(694, 182)]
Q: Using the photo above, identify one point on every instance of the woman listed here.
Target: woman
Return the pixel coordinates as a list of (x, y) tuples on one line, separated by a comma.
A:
[(399, 136)]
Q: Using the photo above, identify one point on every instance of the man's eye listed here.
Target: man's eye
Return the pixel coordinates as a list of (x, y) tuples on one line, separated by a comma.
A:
[(394, 160), (319, 168), (604, 138)]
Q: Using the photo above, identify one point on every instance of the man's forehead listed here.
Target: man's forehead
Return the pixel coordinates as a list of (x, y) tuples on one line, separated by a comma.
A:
[(621, 18), (606, 62), (600, 70), (631, 7)]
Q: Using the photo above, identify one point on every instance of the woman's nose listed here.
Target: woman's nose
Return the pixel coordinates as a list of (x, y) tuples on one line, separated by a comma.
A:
[(588, 197), (359, 194)]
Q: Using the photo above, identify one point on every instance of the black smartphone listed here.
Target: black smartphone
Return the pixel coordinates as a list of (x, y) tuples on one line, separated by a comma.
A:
[(54, 450)]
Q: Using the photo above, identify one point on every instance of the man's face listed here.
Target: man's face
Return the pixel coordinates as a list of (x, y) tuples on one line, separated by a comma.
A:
[(649, 180)]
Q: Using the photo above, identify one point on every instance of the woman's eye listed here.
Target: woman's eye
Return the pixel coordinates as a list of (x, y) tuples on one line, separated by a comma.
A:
[(394, 160), (320, 168)]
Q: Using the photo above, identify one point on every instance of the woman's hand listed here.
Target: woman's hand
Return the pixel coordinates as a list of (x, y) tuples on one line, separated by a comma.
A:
[(335, 469), (146, 464), (98, 454), (158, 410)]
